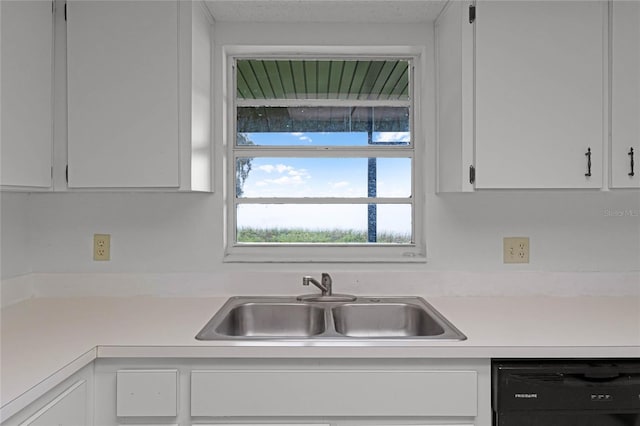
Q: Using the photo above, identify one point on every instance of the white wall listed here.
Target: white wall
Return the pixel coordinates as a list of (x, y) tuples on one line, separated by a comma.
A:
[(15, 254), (160, 233), (154, 233)]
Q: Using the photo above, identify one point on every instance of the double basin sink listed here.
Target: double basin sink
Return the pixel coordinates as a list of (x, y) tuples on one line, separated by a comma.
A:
[(287, 318)]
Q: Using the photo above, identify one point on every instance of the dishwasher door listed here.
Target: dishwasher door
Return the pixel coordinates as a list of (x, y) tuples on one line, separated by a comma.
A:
[(566, 392), (565, 419)]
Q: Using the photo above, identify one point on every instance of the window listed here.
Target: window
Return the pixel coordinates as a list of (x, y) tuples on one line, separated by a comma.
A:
[(322, 159)]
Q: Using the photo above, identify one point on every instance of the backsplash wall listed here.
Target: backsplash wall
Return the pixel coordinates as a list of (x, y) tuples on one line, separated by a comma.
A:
[(168, 233)]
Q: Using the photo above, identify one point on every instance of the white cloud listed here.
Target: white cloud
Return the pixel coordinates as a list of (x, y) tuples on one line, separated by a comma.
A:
[(299, 172), (281, 168), (301, 136), (391, 137), (285, 180), (340, 184), (288, 175), (267, 168)]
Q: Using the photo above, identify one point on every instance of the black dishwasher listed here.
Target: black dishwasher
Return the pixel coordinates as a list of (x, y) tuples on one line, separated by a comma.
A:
[(566, 392)]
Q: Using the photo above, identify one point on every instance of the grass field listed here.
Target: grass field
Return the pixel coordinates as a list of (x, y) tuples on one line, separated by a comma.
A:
[(299, 235)]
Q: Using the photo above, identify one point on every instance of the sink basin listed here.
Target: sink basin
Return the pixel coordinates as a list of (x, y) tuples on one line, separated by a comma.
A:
[(364, 319), (271, 320), (385, 320)]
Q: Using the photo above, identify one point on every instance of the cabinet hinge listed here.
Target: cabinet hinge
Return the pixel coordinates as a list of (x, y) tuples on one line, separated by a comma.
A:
[(472, 14), (472, 174)]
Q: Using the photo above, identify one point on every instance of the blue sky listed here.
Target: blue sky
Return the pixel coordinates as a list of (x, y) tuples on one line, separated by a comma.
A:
[(325, 177), (324, 138)]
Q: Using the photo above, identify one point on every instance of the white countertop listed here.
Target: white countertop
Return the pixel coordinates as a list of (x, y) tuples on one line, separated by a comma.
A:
[(46, 337)]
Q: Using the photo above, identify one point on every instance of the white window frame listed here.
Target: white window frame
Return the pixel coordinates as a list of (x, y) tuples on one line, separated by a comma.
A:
[(333, 253)]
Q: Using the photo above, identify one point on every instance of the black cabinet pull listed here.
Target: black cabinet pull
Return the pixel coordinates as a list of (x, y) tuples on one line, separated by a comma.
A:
[(631, 173), (588, 154)]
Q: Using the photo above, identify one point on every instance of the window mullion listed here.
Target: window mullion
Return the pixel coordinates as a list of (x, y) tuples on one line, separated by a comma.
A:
[(325, 152), (323, 200), (256, 103)]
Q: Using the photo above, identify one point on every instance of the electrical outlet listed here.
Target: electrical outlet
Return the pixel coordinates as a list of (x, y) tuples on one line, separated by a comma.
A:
[(101, 246), (516, 250)]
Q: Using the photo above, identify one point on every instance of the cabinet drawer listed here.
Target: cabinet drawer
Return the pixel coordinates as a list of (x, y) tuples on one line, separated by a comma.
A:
[(147, 393), (333, 393)]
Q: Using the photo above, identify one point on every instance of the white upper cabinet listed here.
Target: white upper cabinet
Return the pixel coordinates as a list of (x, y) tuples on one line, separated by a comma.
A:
[(537, 94), (625, 94), (454, 50), (130, 81), (122, 60), (26, 139)]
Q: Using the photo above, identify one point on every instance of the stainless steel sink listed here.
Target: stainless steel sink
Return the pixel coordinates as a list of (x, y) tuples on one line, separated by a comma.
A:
[(256, 319), (366, 318), (385, 320)]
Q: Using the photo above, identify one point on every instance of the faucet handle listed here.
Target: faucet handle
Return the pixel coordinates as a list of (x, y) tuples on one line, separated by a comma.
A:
[(327, 282)]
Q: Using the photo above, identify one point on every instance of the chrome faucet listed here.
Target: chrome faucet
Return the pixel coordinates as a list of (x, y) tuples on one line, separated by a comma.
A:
[(324, 285)]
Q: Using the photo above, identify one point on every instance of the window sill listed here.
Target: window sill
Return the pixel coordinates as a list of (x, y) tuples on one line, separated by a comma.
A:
[(287, 255)]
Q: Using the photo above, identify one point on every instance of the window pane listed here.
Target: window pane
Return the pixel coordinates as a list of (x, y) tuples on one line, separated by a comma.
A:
[(322, 79), (332, 126), (322, 223), (323, 177), (323, 112)]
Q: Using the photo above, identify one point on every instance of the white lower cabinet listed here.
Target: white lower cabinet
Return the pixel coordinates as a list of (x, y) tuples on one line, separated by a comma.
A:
[(270, 424), (292, 392), (69, 403), (359, 423), (269, 392), (335, 393), (69, 408)]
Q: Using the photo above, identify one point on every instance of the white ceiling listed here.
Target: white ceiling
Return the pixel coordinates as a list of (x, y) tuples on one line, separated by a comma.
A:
[(357, 11)]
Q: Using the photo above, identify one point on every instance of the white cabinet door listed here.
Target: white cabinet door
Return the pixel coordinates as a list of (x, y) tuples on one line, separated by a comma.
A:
[(539, 93), (141, 393), (388, 393), (454, 49), (625, 94), (27, 110), (68, 409), (122, 60), (268, 424)]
